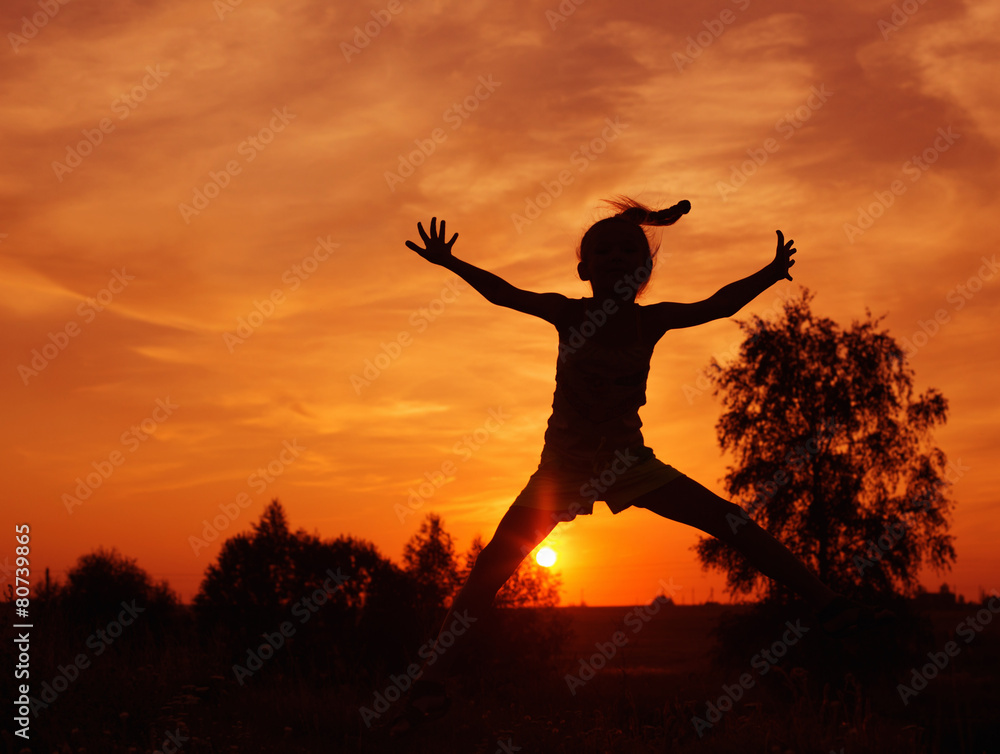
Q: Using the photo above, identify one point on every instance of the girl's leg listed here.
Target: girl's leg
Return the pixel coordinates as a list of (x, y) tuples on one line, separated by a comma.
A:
[(686, 501), (519, 532)]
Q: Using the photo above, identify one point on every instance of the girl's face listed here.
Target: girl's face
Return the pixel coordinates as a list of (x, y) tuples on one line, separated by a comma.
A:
[(612, 252)]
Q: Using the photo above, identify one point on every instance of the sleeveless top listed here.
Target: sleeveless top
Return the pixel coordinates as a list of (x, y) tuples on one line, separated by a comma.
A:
[(599, 390)]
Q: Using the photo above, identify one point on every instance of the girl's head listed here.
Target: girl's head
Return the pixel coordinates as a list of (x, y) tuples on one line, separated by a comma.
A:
[(616, 251)]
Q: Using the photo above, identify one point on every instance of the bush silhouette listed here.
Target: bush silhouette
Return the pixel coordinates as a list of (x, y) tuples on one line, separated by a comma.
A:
[(101, 581), (347, 605)]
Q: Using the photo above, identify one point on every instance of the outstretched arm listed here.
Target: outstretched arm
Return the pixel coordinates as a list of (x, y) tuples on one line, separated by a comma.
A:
[(496, 290), (727, 300)]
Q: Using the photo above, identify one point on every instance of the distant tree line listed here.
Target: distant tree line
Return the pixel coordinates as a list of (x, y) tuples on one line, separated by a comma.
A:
[(343, 606)]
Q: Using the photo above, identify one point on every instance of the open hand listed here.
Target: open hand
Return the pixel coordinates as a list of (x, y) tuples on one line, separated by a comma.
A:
[(436, 251), (783, 258)]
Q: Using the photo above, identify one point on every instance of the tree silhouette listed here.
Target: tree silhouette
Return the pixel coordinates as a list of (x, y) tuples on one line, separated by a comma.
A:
[(833, 454), (429, 558), (255, 574), (530, 586), (352, 603), (262, 574), (102, 580)]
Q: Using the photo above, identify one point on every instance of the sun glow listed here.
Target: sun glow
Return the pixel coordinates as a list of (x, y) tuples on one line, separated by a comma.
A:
[(545, 557)]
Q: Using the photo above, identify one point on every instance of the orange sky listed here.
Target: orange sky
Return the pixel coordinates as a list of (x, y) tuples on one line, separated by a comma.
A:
[(242, 170)]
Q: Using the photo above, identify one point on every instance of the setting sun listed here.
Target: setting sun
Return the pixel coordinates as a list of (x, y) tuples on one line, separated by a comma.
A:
[(546, 557)]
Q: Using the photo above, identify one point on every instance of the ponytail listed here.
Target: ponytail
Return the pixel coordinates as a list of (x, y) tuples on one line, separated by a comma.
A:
[(630, 209)]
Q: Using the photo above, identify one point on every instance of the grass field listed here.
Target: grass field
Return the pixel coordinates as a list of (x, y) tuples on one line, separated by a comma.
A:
[(661, 669)]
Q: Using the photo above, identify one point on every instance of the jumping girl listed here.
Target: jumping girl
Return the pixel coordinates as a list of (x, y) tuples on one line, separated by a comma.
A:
[(605, 345)]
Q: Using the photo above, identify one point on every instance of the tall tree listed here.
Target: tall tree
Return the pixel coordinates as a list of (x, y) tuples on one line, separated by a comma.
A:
[(255, 572), (834, 454), (429, 558)]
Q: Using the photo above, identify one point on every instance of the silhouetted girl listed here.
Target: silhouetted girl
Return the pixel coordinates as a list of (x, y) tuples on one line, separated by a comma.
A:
[(605, 345)]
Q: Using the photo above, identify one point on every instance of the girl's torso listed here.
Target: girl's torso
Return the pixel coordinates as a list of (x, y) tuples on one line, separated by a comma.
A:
[(601, 377)]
